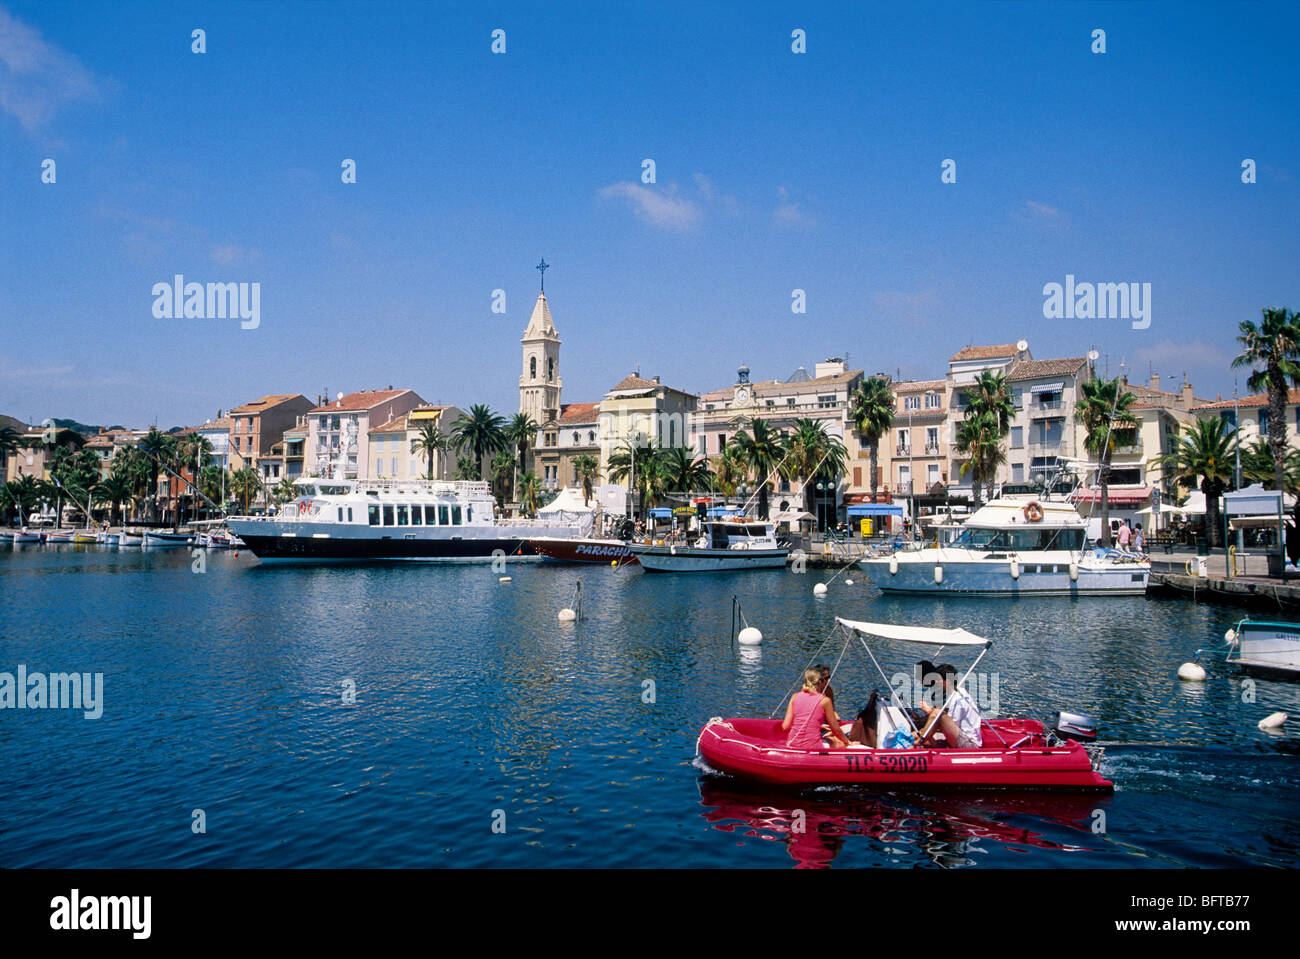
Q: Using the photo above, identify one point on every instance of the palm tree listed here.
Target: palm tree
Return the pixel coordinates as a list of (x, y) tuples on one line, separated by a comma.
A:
[(10, 441), (991, 393), (637, 464), (136, 468), (979, 439), (246, 483), (684, 472), (429, 444), (522, 432), (1207, 451), (871, 412), (481, 432), (815, 454), (503, 472), (1257, 466), (284, 491), (530, 490), (730, 471), (114, 490), (1272, 349), (588, 468), (762, 453), (467, 469), (193, 452), (159, 447), (1103, 408), (24, 493)]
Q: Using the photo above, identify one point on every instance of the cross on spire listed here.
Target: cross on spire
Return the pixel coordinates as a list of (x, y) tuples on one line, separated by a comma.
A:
[(542, 268)]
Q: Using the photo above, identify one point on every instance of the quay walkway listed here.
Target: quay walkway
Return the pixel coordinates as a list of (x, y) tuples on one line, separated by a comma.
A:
[(1175, 574)]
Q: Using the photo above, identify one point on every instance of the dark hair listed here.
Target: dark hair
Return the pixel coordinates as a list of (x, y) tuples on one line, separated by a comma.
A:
[(947, 671)]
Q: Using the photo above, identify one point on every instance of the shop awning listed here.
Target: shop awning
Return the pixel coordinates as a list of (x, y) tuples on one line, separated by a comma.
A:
[(1116, 497), (875, 509), (1047, 388)]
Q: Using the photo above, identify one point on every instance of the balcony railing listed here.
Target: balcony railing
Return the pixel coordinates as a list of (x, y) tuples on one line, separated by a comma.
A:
[(931, 449), (1047, 405), (903, 449), (904, 489)]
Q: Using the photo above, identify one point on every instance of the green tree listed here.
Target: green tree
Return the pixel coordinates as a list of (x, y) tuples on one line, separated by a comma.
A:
[(114, 490), (530, 491), (246, 484), (1272, 350), (1208, 452), (762, 453), (588, 468), (522, 434), (979, 440), (429, 443), (503, 472), (871, 412), (467, 469), (684, 472), (284, 491), (480, 433), (1104, 409), (730, 471), (813, 454)]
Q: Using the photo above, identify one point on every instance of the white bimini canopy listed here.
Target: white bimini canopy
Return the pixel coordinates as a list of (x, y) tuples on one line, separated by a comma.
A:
[(915, 634)]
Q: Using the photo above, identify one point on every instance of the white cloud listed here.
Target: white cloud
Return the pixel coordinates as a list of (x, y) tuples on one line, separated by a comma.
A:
[(1040, 211), (228, 253), (789, 212), (36, 78), (661, 208), (1170, 357)]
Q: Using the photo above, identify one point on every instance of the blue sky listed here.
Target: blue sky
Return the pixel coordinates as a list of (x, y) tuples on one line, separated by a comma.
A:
[(775, 171)]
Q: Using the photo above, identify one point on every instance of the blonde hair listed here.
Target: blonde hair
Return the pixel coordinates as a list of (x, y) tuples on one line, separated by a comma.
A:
[(812, 680)]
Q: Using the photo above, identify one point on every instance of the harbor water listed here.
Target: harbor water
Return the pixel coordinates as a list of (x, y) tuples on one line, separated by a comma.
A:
[(412, 715)]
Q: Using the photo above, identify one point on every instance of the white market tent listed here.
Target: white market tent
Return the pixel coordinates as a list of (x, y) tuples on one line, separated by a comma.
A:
[(568, 507)]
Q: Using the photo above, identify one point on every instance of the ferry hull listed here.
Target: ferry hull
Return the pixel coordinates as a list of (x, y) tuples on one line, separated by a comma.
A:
[(344, 549), (602, 552)]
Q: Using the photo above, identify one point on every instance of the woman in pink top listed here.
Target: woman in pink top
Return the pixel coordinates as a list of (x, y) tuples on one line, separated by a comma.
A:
[(807, 711)]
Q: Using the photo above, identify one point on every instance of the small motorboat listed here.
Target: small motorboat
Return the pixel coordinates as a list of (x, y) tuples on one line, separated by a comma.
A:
[(723, 545), (602, 552), (1265, 648), (128, 538), (85, 537), (1016, 753), (158, 539), (58, 536), (24, 536)]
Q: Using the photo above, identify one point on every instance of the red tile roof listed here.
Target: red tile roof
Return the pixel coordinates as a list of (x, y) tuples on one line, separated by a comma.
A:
[(1252, 401), (983, 353), (363, 400), (1033, 369), (265, 403), (579, 412)]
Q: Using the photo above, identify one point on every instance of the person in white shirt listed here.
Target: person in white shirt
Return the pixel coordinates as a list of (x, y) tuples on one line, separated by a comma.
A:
[(959, 720)]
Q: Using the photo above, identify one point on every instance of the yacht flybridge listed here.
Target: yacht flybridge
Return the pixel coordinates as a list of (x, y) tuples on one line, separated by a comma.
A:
[(1015, 546), (359, 520)]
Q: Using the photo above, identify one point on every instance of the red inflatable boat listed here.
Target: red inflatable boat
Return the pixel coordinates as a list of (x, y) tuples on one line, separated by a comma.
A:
[(1015, 754)]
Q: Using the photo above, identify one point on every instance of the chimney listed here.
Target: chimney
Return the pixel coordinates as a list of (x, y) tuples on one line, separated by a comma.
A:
[(656, 378), (1154, 382), (1187, 399)]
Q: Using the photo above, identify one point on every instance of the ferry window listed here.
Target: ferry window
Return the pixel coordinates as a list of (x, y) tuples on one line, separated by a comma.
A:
[(431, 516), (388, 516), (417, 515), (349, 514), (443, 516), (401, 516), (455, 516), (374, 514), (340, 514), (469, 514)]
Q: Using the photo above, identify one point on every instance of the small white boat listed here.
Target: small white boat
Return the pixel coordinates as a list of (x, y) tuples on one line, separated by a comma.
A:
[(723, 545), (127, 538), (85, 537), (59, 536), (156, 539), (1265, 648), (26, 536), (110, 540)]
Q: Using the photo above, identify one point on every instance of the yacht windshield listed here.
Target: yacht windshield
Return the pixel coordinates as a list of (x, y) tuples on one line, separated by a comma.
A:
[(1020, 540)]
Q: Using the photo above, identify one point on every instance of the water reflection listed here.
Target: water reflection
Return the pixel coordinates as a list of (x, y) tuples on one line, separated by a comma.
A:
[(947, 830)]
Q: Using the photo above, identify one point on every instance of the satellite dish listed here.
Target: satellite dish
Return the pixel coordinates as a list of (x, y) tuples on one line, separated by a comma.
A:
[(1092, 355), (339, 396), (1022, 345)]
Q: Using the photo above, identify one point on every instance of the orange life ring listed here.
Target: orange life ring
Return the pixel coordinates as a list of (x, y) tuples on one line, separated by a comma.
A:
[(1033, 513)]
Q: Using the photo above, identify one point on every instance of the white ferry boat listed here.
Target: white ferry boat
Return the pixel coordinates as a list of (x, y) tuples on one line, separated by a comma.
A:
[(1014, 546), (723, 545), (362, 520)]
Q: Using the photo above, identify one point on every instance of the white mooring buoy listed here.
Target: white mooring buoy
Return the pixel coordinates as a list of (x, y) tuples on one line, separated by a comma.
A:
[(504, 579), (1192, 672), (1273, 721), (749, 636), (848, 582), (819, 589), (567, 615)]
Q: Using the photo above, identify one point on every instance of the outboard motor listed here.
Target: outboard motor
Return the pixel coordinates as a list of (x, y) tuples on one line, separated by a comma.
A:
[(1076, 726)]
